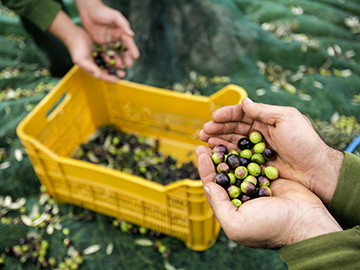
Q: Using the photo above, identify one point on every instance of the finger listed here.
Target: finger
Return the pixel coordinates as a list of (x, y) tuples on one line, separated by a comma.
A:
[(232, 113), (267, 114), (127, 59), (89, 67), (120, 22), (229, 142), (104, 75), (205, 164), (220, 204), (217, 128), (129, 43)]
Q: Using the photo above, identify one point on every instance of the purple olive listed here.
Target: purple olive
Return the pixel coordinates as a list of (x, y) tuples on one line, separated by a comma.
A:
[(244, 161), (220, 148), (247, 187), (233, 161), (244, 198), (263, 181), (222, 168), (222, 179), (264, 192), (245, 143), (269, 154)]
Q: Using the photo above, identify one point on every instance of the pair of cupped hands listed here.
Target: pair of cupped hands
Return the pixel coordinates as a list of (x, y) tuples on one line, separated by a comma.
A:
[(309, 171), (101, 25)]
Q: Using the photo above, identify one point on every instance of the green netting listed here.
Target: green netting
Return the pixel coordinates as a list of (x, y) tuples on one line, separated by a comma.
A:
[(298, 53)]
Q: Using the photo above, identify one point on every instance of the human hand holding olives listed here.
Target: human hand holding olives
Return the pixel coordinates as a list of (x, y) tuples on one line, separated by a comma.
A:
[(302, 155), (292, 214), (105, 25), (79, 44)]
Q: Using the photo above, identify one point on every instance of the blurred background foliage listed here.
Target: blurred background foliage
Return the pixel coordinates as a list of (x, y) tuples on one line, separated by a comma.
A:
[(299, 53)]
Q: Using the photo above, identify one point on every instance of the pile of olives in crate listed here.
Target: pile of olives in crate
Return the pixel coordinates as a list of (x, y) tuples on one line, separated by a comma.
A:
[(136, 155), (245, 175)]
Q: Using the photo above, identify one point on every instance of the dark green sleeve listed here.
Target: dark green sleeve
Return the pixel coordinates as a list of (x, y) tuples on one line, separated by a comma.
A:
[(339, 250), (345, 203), (40, 12), (333, 251)]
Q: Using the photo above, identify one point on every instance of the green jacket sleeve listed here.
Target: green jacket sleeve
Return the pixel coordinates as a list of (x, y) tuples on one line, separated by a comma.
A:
[(334, 251), (40, 12), (339, 250), (344, 205)]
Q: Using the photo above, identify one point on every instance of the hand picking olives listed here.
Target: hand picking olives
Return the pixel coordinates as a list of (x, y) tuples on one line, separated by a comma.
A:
[(247, 175)]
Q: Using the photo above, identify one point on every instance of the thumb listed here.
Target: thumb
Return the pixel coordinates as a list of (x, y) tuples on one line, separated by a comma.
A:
[(220, 204), (267, 114)]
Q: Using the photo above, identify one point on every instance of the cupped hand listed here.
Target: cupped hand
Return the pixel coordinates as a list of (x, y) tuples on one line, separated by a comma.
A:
[(302, 154), (80, 49), (107, 25), (293, 213)]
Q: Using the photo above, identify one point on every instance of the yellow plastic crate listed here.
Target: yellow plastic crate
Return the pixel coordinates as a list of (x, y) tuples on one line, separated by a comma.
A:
[(78, 105)]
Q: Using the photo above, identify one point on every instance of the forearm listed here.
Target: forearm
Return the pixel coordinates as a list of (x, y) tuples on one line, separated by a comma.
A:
[(34, 10), (64, 29)]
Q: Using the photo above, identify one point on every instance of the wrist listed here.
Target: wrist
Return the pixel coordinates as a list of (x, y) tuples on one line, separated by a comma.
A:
[(324, 180), (316, 222)]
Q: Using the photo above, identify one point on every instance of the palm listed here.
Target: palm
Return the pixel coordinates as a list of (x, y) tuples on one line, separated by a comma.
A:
[(297, 154), (261, 222)]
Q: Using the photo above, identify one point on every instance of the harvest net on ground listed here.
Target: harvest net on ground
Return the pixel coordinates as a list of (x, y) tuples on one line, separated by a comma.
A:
[(304, 54)]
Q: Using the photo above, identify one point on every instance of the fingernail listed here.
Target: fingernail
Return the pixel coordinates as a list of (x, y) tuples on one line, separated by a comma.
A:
[(249, 100), (207, 190)]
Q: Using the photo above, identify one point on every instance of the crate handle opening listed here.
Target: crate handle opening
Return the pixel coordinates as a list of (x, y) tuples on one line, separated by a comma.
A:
[(56, 107)]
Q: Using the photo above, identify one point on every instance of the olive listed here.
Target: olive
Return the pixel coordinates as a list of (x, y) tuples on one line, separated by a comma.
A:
[(264, 192), (220, 148), (247, 187), (269, 154), (252, 179), (254, 169), (271, 172), (241, 172), (218, 157), (259, 148), (258, 158), (236, 202), (244, 161), (232, 178), (246, 153), (233, 191), (244, 198), (222, 179), (245, 143), (255, 137), (222, 168), (233, 161), (263, 181)]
